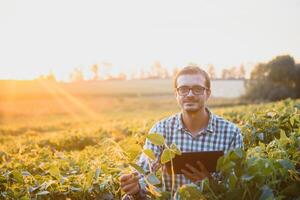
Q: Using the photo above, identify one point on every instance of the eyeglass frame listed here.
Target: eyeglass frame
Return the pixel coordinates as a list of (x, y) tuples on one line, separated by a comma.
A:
[(191, 89)]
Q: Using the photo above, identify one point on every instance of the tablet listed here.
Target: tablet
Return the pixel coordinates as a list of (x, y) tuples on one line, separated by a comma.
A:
[(208, 158)]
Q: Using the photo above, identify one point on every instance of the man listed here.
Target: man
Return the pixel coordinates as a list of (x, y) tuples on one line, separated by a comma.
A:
[(195, 128)]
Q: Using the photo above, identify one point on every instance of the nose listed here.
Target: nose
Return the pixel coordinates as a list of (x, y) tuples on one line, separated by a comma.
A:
[(190, 93)]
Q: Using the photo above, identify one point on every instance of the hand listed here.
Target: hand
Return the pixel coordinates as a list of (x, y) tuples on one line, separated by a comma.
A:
[(196, 174), (130, 183)]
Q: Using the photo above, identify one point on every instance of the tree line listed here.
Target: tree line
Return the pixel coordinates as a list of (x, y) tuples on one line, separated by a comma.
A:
[(276, 79), (157, 71)]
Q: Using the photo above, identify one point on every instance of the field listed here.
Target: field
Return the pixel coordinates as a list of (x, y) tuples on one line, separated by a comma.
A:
[(74, 141)]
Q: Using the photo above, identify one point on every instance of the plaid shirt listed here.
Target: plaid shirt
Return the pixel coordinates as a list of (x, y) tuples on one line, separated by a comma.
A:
[(219, 135)]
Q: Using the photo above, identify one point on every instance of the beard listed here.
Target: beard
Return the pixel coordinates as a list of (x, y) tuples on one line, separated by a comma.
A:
[(192, 107), (191, 104), (191, 112)]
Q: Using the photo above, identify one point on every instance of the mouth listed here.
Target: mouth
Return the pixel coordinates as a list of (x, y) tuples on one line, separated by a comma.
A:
[(189, 102)]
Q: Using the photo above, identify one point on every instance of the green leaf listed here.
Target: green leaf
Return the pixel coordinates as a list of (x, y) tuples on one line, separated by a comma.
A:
[(54, 171), (137, 168), (175, 149), (227, 166), (149, 153), (32, 189), (189, 192), (282, 134), (46, 184), (75, 189), (26, 173), (283, 138), (267, 193), (167, 156), (261, 145), (25, 198), (17, 176), (43, 193), (220, 163), (152, 179), (89, 177), (155, 191), (156, 139), (247, 177), (260, 136), (292, 120), (232, 181), (271, 114), (287, 164), (236, 154), (97, 174)]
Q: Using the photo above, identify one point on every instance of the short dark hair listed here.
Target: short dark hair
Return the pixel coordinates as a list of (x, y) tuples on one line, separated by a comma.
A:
[(191, 70)]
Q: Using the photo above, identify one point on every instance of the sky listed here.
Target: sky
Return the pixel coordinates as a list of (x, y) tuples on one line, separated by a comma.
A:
[(38, 37)]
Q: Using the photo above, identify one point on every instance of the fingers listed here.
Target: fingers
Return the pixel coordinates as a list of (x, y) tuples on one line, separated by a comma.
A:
[(128, 179), (204, 170), (202, 167), (195, 174), (124, 177), (130, 183), (192, 169), (131, 188), (188, 174), (135, 173)]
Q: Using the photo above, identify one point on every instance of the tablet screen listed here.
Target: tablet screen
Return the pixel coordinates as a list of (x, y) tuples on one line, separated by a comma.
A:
[(208, 158)]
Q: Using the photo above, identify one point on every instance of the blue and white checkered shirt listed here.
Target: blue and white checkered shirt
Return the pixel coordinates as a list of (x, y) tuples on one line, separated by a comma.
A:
[(219, 135)]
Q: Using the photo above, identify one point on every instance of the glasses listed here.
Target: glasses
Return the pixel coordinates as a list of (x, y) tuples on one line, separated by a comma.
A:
[(197, 90)]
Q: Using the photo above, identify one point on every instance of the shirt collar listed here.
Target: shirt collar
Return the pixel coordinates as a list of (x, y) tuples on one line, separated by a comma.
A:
[(210, 126)]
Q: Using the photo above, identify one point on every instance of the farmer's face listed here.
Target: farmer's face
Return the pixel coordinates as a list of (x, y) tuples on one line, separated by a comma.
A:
[(188, 101)]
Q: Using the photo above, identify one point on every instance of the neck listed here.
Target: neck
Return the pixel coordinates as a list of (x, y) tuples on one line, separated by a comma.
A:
[(196, 121)]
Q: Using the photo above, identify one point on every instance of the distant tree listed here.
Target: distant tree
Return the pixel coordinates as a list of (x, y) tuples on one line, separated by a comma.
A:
[(281, 70), (133, 75), (122, 76), (157, 70), (95, 71), (142, 74), (231, 73), (165, 73), (211, 71), (48, 77), (241, 73), (275, 80), (259, 72), (77, 75), (228, 73), (106, 67), (175, 71), (224, 74), (297, 79)]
